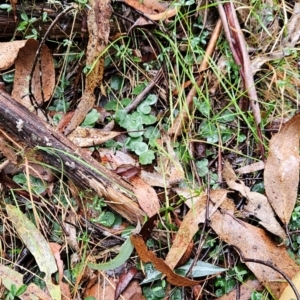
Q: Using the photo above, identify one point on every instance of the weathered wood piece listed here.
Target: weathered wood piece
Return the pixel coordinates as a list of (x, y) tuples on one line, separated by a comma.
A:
[(62, 154)]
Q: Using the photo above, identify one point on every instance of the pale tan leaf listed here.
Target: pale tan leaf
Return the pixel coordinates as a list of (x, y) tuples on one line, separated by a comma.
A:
[(154, 179), (168, 163), (37, 245), (254, 243), (281, 176), (189, 225), (257, 166), (257, 204), (288, 293), (169, 13), (9, 276), (88, 137), (71, 233), (146, 195)]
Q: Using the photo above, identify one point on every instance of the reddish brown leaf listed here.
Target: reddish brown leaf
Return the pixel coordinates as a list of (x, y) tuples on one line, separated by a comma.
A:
[(282, 169), (124, 280), (148, 256), (127, 171)]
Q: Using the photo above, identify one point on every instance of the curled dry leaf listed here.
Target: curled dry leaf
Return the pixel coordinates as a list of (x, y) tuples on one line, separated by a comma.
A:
[(257, 205), (88, 137), (254, 243), (281, 176), (22, 54), (148, 256)]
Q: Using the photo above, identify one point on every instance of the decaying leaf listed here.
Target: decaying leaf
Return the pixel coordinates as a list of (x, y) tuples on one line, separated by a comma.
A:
[(146, 196), (37, 245), (257, 205), (98, 25), (254, 243), (189, 226), (124, 280), (88, 137), (148, 256), (64, 287), (8, 277), (22, 54), (281, 176)]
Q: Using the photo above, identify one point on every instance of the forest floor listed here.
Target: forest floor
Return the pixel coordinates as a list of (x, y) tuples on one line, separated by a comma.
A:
[(156, 151)]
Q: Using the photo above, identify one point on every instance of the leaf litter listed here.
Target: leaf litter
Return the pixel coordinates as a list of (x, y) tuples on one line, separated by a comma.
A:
[(167, 180)]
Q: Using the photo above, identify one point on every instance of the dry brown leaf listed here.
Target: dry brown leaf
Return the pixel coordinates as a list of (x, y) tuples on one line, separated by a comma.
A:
[(257, 205), (22, 54), (146, 196), (281, 176), (98, 21), (88, 137), (189, 226), (246, 290), (254, 243), (148, 256)]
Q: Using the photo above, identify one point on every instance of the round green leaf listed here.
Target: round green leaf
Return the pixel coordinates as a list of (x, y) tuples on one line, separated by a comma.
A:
[(140, 148), (151, 99), (147, 157), (135, 129), (107, 219), (144, 108), (148, 119)]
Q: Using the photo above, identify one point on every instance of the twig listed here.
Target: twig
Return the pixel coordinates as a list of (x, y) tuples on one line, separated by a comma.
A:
[(143, 94), (237, 44), (268, 264)]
